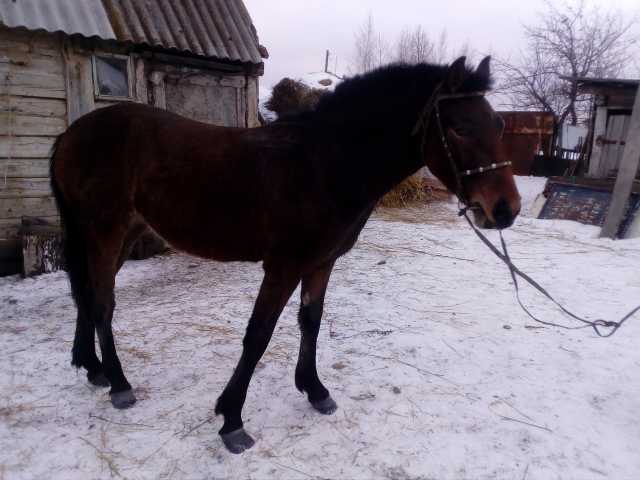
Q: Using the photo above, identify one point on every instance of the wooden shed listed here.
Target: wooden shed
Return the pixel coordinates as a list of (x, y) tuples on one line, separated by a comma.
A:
[(60, 59), (610, 119)]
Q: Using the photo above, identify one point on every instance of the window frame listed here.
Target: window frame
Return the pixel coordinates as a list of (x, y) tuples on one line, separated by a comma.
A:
[(96, 80)]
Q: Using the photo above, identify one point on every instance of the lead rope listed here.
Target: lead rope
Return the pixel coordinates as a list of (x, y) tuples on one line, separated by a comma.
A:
[(515, 272), (423, 125)]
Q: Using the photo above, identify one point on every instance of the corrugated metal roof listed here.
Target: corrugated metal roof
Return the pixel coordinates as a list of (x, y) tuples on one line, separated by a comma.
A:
[(211, 28), (86, 17), (220, 29)]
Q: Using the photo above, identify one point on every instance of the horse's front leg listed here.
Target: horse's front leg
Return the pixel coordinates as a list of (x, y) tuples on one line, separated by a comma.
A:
[(277, 287), (313, 290)]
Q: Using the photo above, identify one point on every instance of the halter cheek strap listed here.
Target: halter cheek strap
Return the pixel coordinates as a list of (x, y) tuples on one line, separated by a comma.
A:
[(433, 105)]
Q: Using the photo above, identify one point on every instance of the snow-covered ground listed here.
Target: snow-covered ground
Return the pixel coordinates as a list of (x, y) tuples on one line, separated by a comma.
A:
[(436, 371)]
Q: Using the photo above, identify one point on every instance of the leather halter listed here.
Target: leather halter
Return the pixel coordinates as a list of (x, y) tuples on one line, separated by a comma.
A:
[(422, 125)]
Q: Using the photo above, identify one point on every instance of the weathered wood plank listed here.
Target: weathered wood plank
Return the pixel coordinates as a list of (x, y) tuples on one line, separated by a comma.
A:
[(33, 61), (43, 107), (28, 125), (31, 207), (24, 167), (141, 81), (24, 187), (158, 89), (25, 147), (78, 84), (30, 84), (252, 103), (10, 229), (24, 41), (599, 130)]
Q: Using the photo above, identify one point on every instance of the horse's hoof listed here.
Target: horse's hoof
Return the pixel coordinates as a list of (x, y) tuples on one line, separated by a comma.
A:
[(237, 441), (122, 400), (98, 379), (326, 406)]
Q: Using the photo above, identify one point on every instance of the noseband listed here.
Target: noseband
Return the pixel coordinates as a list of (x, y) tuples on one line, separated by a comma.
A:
[(422, 125)]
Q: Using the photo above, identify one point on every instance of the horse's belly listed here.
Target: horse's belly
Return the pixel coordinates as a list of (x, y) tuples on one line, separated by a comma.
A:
[(214, 237)]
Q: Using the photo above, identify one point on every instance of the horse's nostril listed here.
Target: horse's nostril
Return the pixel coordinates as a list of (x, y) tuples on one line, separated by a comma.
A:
[(502, 214)]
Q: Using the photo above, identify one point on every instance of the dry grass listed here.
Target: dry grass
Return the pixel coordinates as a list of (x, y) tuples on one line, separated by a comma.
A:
[(414, 190)]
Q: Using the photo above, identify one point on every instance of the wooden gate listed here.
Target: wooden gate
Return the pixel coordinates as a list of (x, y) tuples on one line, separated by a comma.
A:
[(613, 142)]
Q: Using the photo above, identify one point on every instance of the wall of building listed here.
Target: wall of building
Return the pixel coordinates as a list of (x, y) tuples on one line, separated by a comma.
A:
[(33, 111), (46, 82), (526, 135)]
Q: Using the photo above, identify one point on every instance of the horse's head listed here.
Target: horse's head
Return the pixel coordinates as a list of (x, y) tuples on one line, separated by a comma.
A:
[(468, 133)]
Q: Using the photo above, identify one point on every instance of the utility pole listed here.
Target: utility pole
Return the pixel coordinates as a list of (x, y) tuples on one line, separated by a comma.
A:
[(626, 174)]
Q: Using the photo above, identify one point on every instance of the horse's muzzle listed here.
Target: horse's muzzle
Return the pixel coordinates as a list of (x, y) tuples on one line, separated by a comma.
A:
[(503, 215)]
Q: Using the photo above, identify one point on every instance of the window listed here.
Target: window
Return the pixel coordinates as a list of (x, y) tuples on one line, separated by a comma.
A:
[(112, 76)]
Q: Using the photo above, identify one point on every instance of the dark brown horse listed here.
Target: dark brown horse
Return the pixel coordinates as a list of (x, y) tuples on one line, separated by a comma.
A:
[(294, 194)]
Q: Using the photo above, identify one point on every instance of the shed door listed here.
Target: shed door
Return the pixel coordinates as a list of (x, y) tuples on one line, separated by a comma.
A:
[(207, 98), (617, 127)]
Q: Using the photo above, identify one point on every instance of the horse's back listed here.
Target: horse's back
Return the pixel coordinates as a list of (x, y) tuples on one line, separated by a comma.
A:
[(199, 186)]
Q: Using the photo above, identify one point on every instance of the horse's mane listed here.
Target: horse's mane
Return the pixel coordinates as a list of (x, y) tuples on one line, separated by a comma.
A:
[(391, 96)]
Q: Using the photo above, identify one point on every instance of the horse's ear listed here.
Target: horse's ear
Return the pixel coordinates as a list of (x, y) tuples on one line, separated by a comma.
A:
[(484, 68), (456, 75)]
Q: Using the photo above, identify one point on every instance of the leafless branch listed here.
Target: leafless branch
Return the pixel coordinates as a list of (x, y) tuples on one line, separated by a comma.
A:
[(371, 49), (572, 39)]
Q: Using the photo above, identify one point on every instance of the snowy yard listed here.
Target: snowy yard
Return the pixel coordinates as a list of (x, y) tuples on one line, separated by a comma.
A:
[(436, 371)]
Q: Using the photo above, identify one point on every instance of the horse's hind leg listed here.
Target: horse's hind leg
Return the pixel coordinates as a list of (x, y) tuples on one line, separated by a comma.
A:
[(104, 247), (83, 353), (84, 343), (313, 290), (84, 346)]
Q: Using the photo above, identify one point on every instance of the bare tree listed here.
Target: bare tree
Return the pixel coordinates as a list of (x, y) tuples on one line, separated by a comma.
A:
[(572, 39), (371, 49), (414, 46)]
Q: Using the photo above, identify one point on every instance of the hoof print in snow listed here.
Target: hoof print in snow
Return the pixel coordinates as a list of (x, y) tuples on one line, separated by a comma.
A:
[(237, 441), (121, 400), (326, 406)]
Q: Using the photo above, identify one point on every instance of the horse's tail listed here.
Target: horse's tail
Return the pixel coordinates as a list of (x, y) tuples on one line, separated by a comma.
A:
[(73, 244)]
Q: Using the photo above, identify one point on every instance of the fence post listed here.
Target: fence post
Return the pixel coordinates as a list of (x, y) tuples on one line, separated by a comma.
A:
[(626, 174)]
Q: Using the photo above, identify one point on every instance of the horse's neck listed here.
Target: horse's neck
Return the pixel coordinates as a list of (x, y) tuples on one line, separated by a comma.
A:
[(381, 162)]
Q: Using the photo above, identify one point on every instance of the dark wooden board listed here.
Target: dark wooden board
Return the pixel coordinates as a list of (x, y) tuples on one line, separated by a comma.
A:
[(584, 204)]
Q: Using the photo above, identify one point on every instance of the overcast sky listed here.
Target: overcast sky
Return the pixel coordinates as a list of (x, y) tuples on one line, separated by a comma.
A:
[(297, 32)]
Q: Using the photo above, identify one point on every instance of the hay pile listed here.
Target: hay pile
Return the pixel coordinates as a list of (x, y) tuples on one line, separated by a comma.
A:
[(291, 96), (417, 188)]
